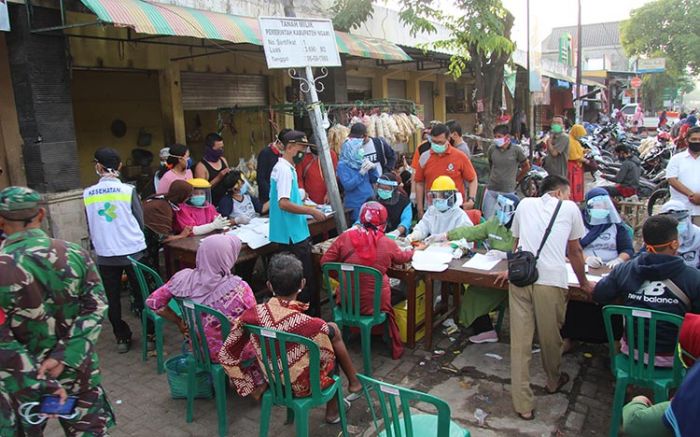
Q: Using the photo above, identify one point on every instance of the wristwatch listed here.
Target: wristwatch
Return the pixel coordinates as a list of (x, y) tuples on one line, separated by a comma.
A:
[(471, 198)]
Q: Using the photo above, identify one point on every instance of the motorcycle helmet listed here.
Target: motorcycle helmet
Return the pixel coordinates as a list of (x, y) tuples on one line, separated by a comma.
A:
[(373, 215), (201, 195)]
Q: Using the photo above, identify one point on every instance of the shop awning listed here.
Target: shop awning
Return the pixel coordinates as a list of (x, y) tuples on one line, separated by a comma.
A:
[(168, 20)]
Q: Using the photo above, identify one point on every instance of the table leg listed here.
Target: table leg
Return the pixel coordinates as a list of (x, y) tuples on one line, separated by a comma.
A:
[(411, 322), (169, 261), (428, 311)]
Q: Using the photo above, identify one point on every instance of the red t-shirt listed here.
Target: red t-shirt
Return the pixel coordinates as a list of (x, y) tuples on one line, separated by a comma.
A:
[(310, 176)]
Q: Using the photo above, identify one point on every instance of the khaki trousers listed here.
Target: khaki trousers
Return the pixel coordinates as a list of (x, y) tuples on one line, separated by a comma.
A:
[(542, 307), (696, 220)]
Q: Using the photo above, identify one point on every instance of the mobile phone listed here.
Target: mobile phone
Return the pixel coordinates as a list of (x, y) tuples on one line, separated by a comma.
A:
[(51, 404)]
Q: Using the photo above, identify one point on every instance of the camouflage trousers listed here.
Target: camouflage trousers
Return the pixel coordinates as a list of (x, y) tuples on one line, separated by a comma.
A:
[(94, 417)]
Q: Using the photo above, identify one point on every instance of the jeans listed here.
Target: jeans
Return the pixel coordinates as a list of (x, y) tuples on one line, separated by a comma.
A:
[(111, 277), (311, 293)]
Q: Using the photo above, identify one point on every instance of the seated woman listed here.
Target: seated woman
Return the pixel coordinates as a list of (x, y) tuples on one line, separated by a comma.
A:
[(159, 217), (445, 212), (356, 174), (391, 195), (495, 234), (607, 243), (368, 246), (198, 212), (238, 205), (688, 233), (283, 312)]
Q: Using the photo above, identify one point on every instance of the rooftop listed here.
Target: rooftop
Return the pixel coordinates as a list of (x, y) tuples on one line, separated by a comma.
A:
[(594, 35)]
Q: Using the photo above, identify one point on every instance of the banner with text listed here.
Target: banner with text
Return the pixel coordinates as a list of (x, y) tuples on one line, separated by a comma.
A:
[(299, 42)]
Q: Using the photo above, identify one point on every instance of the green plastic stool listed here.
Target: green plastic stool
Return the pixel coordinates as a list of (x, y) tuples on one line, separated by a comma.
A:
[(276, 368), (347, 312), (200, 361), (640, 335), (142, 271), (395, 401)]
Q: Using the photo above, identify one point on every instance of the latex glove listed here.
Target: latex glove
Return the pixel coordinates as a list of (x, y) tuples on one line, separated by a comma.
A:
[(614, 263), (393, 234), (594, 262), (203, 229), (220, 222), (367, 165), (436, 238), (412, 198), (497, 254), (412, 237), (242, 220)]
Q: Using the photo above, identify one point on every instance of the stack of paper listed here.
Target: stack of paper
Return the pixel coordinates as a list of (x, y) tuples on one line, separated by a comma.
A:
[(572, 279), (481, 262), (431, 261), (255, 234)]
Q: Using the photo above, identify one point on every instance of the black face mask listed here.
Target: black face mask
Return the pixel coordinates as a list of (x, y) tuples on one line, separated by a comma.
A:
[(298, 157), (694, 147), (314, 150)]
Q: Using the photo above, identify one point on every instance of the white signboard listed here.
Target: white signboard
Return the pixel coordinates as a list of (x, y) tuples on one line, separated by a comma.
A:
[(653, 65), (4, 16), (299, 42)]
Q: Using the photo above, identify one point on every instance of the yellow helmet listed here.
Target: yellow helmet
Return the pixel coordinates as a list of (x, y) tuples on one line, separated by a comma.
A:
[(200, 183), (443, 183)]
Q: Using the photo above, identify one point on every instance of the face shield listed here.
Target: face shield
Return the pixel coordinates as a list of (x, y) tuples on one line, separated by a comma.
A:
[(600, 210), (684, 221), (386, 188), (443, 200), (505, 209)]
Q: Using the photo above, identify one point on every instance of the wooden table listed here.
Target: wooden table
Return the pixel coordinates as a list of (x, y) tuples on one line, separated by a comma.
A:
[(455, 274), (183, 253)]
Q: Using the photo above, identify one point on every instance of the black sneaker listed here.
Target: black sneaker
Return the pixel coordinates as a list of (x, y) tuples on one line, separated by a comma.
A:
[(123, 345)]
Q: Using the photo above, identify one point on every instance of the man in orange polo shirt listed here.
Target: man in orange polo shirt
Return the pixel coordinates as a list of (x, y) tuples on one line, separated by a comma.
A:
[(443, 159)]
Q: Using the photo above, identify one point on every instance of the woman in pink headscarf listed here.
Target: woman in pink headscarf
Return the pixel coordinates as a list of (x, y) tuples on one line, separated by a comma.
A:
[(210, 283)]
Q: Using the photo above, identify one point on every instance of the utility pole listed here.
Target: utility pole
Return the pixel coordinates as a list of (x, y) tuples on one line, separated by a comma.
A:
[(324, 154), (530, 107), (579, 38)]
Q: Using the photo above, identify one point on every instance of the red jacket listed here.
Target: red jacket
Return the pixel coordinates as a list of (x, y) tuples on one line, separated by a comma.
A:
[(310, 176)]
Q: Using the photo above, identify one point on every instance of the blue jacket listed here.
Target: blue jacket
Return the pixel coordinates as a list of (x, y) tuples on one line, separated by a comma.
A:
[(357, 188), (638, 283)]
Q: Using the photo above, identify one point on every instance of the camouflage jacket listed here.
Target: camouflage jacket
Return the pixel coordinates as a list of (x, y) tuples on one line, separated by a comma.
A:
[(55, 304)]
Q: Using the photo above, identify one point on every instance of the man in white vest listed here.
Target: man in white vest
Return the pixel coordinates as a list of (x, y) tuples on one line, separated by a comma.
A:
[(115, 220)]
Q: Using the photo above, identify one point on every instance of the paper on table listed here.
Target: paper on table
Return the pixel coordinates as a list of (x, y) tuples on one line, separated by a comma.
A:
[(572, 279), (481, 262)]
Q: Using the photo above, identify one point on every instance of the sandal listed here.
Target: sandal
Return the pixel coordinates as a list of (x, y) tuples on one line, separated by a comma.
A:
[(336, 420), (531, 417), (563, 379), (352, 397)]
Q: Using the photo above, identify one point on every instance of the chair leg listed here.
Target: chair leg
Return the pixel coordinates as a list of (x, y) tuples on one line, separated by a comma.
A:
[(191, 376), (158, 328), (290, 417), (220, 391), (302, 423), (265, 410), (144, 338), (619, 399), (341, 409), (366, 339)]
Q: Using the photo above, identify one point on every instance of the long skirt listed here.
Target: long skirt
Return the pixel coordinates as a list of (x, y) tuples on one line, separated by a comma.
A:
[(576, 181)]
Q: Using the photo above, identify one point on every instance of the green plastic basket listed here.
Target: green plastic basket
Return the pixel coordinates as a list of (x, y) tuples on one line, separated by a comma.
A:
[(176, 370)]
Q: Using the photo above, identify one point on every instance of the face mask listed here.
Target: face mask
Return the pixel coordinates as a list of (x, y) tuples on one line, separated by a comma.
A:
[(694, 147), (441, 204), (438, 148), (598, 214), (298, 157), (314, 150), (557, 129), (360, 153), (198, 200), (213, 155), (500, 142), (243, 189), (189, 162), (384, 194), (682, 228)]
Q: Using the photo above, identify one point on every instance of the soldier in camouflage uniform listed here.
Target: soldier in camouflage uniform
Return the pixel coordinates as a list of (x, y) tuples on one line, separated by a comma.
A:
[(55, 305)]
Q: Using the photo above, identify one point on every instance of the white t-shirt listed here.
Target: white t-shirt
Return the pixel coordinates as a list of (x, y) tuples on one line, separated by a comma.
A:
[(371, 154), (531, 219), (687, 169), (283, 173)]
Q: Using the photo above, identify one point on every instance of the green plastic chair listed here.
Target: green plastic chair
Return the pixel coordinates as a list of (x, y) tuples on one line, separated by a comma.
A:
[(276, 368), (347, 312), (200, 360), (640, 335), (145, 275), (422, 425)]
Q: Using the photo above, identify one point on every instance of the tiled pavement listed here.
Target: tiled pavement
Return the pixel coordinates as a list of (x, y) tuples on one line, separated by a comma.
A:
[(143, 406)]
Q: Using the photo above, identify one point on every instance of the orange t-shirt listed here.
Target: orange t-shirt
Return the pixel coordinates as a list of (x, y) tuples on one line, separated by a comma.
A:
[(452, 163)]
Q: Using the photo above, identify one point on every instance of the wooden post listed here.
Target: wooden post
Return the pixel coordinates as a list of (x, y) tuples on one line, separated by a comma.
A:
[(10, 138), (171, 104)]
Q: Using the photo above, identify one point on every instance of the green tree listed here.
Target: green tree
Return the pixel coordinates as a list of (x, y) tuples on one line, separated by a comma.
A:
[(350, 14), (479, 40), (669, 29)]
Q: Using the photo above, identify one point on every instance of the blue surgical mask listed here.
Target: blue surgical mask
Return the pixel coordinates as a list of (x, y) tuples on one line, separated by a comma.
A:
[(244, 188), (384, 194), (198, 200), (189, 162), (438, 148), (682, 227), (441, 205), (360, 153), (598, 214), (499, 142)]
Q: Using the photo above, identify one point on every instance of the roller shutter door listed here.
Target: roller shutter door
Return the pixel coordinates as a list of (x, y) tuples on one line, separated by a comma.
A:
[(206, 91)]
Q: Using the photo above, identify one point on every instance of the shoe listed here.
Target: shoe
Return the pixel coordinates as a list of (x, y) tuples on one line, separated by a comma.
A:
[(123, 346), (485, 337), (150, 343)]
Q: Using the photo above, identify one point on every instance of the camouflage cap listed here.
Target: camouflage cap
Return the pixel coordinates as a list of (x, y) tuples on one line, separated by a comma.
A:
[(18, 199)]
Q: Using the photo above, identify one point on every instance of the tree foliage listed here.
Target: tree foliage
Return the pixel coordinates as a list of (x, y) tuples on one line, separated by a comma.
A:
[(479, 39), (350, 14)]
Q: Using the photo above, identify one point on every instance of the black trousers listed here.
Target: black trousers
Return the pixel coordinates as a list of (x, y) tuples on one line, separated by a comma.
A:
[(111, 278), (311, 293), (482, 324)]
